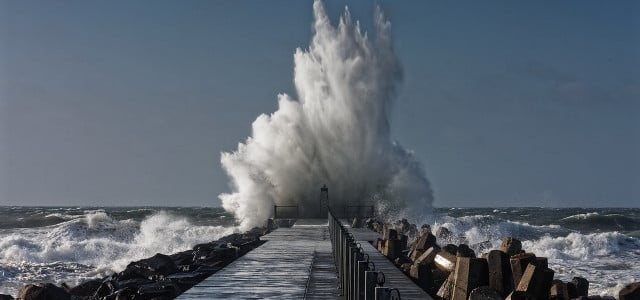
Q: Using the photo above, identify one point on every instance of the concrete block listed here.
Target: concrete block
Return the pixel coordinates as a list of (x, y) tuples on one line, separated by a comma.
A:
[(380, 245), (422, 275), (427, 258), (465, 251), (558, 291), (391, 249), (470, 273), (519, 264), (415, 254), (630, 292), (519, 295), (500, 277), (446, 289), (536, 281), (582, 286), (510, 246), (389, 233), (571, 290), (403, 241), (451, 248), (426, 241), (542, 262), (484, 293), (445, 261)]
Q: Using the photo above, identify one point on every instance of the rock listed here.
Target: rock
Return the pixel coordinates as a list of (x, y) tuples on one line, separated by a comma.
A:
[(159, 289), (500, 277), (87, 288), (43, 292), (630, 292), (106, 288), (134, 282), (582, 286), (510, 246), (470, 273), (182, 258), (484, 293), (156, 266), (464, 251), (443, 233), (125, 294), (6, 297)]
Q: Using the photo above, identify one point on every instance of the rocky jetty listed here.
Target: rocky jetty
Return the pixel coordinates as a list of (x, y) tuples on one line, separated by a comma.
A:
[(158, 277), (456, 272)]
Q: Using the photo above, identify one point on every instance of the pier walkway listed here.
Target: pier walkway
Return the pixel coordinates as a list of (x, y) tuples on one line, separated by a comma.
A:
[(293, 263), (297, 263)]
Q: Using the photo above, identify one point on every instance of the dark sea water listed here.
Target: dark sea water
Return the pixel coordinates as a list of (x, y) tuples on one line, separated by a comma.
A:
[(71, 244)]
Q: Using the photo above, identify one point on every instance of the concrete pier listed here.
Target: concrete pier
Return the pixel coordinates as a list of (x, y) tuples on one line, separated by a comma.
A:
[(297, 263), (293, 263)]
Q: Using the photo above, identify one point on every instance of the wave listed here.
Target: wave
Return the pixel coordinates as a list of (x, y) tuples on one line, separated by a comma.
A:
[(568, 250), (603, 222), (95, 244)]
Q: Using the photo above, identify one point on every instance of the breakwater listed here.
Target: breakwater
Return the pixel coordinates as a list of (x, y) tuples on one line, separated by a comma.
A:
[(456, 272)]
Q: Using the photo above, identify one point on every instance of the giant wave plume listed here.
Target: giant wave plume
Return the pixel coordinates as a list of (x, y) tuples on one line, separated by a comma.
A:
[(337, 132)]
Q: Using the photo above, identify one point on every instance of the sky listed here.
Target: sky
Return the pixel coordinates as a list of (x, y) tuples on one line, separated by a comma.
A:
[(506, 103)]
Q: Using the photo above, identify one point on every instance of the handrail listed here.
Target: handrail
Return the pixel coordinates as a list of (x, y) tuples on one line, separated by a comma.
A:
[(358, 278)]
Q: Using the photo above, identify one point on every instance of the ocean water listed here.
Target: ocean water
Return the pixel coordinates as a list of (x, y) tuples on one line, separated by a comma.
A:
[(70, 244)]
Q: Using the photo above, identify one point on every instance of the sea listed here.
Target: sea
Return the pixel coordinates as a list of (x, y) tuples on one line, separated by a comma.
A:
[(72, 244)]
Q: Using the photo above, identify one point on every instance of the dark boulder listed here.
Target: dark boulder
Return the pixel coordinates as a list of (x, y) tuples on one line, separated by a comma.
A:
[(163, 290), (154, 267), (484, 293), (630, 292), (106, 288), (43, 292), (6, 297), (87, 288), (464, 251)]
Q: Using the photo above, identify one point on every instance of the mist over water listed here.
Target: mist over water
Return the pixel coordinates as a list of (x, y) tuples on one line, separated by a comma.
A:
[(336, 133)]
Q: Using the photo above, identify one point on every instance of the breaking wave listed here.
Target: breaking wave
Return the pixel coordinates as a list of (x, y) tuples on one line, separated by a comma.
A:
[(337, 133), (95, 244)]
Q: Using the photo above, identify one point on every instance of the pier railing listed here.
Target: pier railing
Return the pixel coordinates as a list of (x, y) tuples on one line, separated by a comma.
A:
[(358, 277)]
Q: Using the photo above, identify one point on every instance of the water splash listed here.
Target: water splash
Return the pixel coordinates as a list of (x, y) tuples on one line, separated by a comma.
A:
[(336, 133)]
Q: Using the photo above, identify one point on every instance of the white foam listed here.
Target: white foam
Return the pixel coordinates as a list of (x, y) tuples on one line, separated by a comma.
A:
[(336, 133), (96, 245)]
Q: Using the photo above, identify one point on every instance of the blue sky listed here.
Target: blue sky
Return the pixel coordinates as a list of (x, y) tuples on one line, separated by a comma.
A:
[(130, 103)]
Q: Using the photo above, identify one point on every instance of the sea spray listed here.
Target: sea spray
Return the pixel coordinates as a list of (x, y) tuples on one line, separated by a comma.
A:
[(335, 133)]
